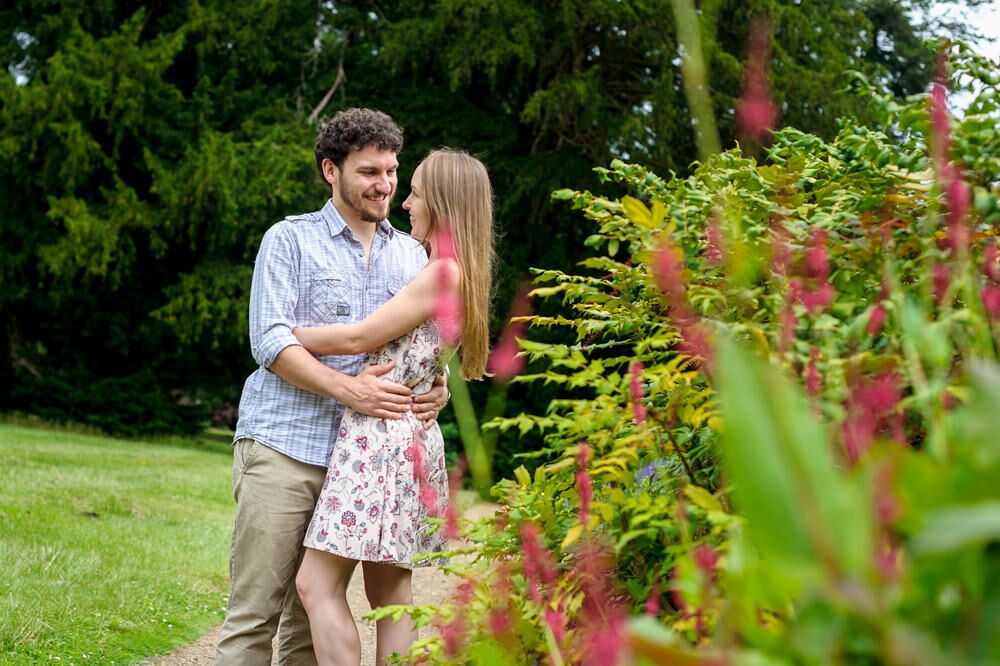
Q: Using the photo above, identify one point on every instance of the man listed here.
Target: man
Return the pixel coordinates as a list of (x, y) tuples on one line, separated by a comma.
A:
[(336, 265)]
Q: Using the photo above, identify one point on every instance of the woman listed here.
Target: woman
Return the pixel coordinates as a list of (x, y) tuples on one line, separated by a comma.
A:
[(386, 475)]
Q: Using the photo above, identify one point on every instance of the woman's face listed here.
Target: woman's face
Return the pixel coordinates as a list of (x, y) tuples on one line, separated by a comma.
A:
[(420, 217)]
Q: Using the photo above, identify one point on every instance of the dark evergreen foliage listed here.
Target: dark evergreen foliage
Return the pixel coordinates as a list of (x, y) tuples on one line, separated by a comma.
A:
[(147, 146)]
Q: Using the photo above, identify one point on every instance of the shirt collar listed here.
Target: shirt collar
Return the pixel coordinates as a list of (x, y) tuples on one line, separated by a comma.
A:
[(335, 222)]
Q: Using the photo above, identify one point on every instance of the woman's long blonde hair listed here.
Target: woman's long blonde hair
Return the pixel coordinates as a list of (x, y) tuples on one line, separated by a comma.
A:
[(459, 198)]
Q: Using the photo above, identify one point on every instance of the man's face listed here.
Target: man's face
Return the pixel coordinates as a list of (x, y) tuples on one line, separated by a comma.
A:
[(366, 182)]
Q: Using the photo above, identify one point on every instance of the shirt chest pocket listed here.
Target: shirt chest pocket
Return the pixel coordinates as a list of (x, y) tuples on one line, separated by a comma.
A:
[(329, 298)]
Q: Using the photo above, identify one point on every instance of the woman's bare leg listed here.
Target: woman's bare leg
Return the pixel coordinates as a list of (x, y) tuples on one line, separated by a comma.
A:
[(322, 585), (385, 585)]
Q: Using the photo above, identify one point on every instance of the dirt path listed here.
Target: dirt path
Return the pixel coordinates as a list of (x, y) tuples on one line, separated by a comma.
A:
[(430, 586)]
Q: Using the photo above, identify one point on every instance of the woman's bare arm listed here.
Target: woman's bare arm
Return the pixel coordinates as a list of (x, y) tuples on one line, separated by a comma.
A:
[(403, 312)]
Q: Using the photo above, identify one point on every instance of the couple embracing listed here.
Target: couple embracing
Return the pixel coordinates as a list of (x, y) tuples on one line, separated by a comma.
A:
[(347, 394)]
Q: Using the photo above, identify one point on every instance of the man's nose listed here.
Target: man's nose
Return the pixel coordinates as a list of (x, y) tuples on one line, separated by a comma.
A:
[(383, 184)]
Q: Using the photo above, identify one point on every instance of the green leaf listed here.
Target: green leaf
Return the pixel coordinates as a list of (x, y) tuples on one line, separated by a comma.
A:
[(802, 513), (573, 535), (955, 527), (522, 476)]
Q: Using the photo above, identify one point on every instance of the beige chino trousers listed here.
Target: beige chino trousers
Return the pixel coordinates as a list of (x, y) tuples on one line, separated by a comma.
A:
[(275, 497)]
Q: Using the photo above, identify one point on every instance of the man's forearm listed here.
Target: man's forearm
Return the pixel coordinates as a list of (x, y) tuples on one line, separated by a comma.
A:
[(300, 368)]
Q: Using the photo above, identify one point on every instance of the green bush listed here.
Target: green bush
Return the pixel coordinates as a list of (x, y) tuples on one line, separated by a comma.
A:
[(775, 437), (129, 406)]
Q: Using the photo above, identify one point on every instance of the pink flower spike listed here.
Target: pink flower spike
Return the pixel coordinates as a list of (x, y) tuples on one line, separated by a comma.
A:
[(453, 635), (638, 409), (941, 280), (788, 323), (991, 301), (876, 320), (669, 274), (812, 374), (817, 258), (505, 362), (706, 558), (557, 623), (958, 197), (939, 114), (448, 306), (756, 114), (815, 301), (714, 240), (653, 601), (608, 642), (499, 623)]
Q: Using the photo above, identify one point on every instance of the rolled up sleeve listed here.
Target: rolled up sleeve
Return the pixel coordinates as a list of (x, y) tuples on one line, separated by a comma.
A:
[(273, 295)]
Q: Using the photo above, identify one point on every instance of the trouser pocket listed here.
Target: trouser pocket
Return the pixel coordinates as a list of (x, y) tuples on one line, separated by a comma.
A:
[(244, 452)]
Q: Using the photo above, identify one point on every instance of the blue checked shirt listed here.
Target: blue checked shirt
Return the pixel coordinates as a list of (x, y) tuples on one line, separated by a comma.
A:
[(311, 271)]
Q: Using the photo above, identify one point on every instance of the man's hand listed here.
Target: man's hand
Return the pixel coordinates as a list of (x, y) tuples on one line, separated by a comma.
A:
[(368, 394), (427, 406)]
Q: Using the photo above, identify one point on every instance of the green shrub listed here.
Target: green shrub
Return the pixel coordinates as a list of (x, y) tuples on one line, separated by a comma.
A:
[(785, 382)]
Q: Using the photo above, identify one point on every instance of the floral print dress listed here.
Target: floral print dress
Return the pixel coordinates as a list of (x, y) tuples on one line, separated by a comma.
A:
[(386, 476)]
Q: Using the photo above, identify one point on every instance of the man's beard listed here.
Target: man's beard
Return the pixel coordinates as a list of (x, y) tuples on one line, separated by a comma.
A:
[(356, 202)]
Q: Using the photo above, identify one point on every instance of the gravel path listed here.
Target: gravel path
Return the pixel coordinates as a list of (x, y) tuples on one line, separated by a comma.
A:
[(430, 586)]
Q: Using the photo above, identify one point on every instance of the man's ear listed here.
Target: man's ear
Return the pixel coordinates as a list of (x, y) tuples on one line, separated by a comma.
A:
[(330, 171)]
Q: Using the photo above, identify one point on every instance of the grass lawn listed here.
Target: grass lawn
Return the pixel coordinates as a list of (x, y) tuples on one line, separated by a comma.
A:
[(110, 551)]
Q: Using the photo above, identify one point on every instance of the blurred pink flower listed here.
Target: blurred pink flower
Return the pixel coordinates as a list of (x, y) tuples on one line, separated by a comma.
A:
[(941, 136), (818, 258), (694, 342), (706, 558), (608, 642), (950, 180), (815, 301), (957, 196), (505, 362), (448, 307), (428, 496), (653, 601), (941, 281), (991, 301), (557, 622), (538, 566), (876, 320), (500, 624), (638, 409), (756, 114), (669, 274), (871, 406), (812, 374), (713, 238), (788, 323), (453, 635)]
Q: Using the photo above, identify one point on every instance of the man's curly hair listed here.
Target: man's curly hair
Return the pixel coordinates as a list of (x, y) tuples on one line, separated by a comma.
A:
[(354, 129)]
